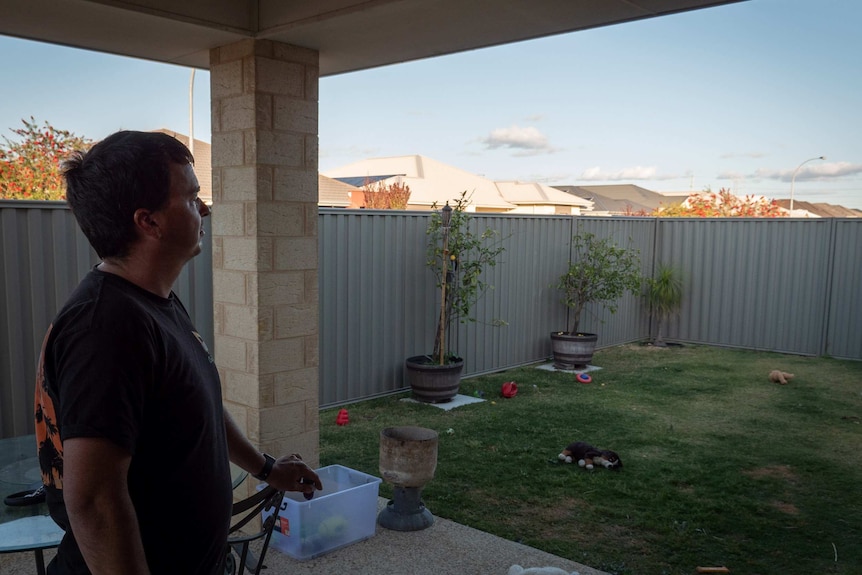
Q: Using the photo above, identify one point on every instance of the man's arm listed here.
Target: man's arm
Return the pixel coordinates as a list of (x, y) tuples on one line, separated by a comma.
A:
[(103, 518), (289, 473)]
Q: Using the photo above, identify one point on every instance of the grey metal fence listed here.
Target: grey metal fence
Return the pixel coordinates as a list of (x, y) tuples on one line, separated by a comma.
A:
[(379, 303), (780, 285), (43, 256), (783, 285), (843, 306)]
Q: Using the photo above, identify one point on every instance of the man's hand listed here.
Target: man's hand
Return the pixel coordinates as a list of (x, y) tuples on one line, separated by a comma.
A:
[(290, 473)]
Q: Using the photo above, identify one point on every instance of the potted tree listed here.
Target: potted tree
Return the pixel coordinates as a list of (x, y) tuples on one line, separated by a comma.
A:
[(457, 255), (599, 272), (663, 294)]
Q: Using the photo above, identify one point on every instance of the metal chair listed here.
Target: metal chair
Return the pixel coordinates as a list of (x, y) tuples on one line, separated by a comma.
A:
[(238, 556)]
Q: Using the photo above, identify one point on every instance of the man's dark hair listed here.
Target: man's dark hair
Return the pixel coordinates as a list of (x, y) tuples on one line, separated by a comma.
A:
[(108, 183)]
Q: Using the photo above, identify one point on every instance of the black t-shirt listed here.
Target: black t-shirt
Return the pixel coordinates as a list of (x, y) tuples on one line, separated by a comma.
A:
[(124, 364)]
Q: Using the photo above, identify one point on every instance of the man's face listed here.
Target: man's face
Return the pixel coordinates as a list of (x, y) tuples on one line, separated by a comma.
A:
[(181, 219)]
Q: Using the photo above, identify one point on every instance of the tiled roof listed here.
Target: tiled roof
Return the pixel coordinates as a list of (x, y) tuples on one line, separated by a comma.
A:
[(332, 193), (431, 182), (360, 181), (628, 193), (621, 199), (821, 209), (533, 193)]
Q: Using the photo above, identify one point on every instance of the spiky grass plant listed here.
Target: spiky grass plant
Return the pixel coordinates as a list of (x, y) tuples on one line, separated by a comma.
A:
[(663, 294)]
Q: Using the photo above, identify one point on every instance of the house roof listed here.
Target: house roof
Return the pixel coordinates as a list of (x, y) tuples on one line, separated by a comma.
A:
[(360, 181), (630, 193), (332, 193), (621, 198), (821, 209), (534, 193), (431, 182)]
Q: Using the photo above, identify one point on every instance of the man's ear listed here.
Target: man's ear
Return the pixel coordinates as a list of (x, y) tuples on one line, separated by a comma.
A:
[(146, 224)]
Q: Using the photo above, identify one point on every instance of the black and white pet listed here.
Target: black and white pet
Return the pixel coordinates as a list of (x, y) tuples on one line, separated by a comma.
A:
[(588, 456)]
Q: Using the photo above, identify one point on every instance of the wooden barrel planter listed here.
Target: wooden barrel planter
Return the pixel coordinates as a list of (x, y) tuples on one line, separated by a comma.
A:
[(573, 351), (432, 382)]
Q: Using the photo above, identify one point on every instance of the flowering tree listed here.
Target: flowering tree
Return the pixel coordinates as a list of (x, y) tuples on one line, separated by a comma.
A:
[(723, 204), (30, 167)]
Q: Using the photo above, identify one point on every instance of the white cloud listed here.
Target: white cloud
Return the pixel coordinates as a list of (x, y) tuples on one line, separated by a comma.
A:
[(529, 140), (829, 170), (546, 178), (731, 155), (819, 171), (596, 174), (730, 176)]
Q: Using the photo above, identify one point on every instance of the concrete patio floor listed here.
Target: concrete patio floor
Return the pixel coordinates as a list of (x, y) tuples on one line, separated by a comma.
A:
[(445, 548)]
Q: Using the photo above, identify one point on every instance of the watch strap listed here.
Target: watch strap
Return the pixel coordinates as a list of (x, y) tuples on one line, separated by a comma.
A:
[(269, 461)]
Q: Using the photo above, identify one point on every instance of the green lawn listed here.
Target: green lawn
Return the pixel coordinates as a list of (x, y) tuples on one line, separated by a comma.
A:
[(721, 466)]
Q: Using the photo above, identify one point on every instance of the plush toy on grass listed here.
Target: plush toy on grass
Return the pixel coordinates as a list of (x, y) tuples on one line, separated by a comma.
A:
[(776, 376), (588, 456), (518, 570)]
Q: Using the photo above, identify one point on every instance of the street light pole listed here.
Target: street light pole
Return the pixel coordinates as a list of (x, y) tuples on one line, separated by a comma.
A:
[(192, 113), (793, 179)]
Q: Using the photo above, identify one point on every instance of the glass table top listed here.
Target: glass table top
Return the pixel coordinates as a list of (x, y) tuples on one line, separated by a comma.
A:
[(24, 472), (29, 533), (19, 471)]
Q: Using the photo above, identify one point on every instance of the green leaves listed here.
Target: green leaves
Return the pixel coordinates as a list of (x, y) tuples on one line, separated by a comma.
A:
[(600, 272), (663, 293), (460, 255)]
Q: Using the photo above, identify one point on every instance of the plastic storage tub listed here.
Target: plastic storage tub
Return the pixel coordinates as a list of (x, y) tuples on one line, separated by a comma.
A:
[(343, 513)]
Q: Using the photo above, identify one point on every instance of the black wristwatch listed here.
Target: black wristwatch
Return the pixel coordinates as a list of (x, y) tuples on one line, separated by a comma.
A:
[(269, 461)]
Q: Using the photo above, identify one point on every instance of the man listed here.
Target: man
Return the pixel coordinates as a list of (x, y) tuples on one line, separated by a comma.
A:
[(134, 443)]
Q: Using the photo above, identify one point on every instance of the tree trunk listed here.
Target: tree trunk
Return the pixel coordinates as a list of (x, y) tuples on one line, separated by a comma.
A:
[(659, 340)]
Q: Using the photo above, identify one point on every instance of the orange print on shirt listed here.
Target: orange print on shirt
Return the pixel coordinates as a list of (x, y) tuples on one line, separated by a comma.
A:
[(48, 442)]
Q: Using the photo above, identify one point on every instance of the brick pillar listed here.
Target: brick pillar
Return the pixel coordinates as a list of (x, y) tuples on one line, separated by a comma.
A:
[(264, 161)]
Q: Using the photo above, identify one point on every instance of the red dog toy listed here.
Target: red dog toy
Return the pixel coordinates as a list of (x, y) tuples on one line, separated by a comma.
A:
[(584, 378), (342, 418), (509, 389)]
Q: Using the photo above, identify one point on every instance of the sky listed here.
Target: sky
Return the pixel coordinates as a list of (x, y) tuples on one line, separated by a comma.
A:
[(738, 97)]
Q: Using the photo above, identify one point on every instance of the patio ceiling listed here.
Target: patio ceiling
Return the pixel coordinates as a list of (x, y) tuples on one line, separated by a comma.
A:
[(349, 34)]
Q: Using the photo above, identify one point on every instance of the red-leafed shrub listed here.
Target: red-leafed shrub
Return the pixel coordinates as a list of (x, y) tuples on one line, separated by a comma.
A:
[(723, 204), (380, 196), (30, 166)]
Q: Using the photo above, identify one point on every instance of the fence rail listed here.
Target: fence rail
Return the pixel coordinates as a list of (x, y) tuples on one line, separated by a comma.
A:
[(787, 285)]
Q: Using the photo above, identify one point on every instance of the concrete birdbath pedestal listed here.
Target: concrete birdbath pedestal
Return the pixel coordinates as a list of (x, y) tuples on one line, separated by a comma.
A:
[(408, 460)]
